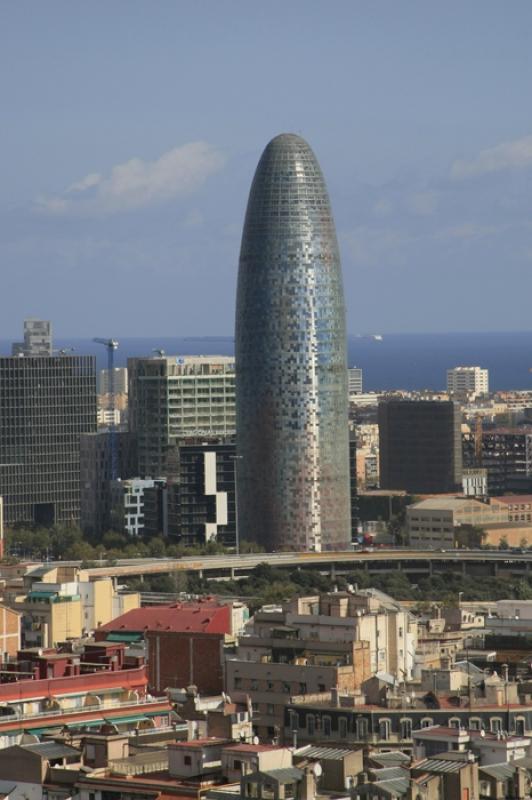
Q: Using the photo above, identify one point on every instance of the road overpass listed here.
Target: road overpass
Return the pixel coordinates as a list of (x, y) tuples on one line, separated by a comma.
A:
[(488, 563)]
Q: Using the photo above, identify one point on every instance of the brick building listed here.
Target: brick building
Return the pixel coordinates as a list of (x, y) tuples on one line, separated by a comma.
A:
[(185, 642)]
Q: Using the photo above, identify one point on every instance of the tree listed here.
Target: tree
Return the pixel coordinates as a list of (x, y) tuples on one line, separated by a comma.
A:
[(503, 544), (471, 537)]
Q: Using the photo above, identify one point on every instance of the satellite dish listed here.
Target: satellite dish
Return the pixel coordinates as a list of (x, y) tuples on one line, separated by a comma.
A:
[(256, 740), (317, 769)]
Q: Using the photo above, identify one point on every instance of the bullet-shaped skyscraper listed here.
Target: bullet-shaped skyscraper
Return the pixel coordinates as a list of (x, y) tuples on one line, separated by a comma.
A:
[(291, 366)]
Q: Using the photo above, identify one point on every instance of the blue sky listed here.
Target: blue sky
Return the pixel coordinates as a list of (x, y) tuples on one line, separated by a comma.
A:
[(130, 132)]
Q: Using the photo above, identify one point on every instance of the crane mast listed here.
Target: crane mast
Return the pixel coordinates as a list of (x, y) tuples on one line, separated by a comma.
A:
[(111, 345)]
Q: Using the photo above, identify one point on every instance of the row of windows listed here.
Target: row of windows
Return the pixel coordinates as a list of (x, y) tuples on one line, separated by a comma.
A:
[(323, 725)]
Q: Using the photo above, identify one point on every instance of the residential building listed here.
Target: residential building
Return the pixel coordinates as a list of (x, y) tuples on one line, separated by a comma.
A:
[(420, 446), (316, 643), (506, 454), (467, 382), (290, 347), (207, 492), (354, 380), (172, 398), (400, 713), (43, 689), (46, 404), (95, 476), (9, 632), (185, 641), (61, 603), (37, 339), (127, 503)]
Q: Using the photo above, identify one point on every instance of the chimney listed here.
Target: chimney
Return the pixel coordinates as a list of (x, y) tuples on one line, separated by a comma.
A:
[(308, 785)]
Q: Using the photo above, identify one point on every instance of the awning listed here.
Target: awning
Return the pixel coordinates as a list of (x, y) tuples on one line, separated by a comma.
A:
[(125, 637), (125, 720)]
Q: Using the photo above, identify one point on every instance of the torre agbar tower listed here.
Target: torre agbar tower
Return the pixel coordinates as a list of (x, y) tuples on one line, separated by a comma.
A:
[(291, 367)]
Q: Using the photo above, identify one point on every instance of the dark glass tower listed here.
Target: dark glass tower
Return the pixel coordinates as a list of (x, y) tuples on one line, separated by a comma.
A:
[(291, 368)]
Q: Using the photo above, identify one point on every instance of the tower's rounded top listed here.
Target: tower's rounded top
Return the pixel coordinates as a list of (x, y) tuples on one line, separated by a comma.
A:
[(288, 143)]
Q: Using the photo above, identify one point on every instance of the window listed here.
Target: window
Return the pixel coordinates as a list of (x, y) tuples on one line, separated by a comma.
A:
[(454, 722), (270, 708), (362, 728), (286, 688), (237, 764), (520, 726), (187, 761), (495, 724), (475, 724), (311, 724), (342, 727), (406, 729), (321, 687), (302, 688), (427, 722), (254, 684), (384, 729), (238, 683), (326, 726)]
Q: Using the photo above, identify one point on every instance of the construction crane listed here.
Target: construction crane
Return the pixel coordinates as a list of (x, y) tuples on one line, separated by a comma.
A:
[(111, 345), (478, 439)]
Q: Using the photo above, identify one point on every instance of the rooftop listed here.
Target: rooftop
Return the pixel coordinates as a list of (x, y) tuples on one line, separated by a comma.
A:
[(200, 617)]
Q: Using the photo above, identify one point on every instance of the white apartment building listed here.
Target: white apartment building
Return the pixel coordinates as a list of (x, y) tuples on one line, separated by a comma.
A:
[(354, 380), (467, 381)]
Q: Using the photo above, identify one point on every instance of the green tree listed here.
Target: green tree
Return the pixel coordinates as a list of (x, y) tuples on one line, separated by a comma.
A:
[(503, 544), (471, 537)]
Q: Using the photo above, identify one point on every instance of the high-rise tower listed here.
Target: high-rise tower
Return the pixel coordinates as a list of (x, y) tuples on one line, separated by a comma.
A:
[(291, 392)]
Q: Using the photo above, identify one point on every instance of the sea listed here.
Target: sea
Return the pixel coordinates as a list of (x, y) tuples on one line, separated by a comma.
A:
[(412, 361)]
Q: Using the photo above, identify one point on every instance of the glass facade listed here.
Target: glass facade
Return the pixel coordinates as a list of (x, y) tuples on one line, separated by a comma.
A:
[(292, 399), (46, 404)]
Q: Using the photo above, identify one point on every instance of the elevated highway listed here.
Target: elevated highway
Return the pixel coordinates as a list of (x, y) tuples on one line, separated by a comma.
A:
[(412, 562)]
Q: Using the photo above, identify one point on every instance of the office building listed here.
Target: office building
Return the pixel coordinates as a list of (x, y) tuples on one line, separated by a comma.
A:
[(420, 446), (432, 523), (354, 380), (95, 476), (46, 404), (37, 339), (171, 398), (292, 400), (506, 454), (470, 382)]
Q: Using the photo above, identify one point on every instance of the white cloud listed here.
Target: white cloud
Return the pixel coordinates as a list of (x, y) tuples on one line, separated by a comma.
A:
[(508, 155), (137, 183)]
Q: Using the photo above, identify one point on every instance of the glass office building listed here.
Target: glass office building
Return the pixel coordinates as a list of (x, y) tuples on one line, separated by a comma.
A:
[(291, 393), (46, 404)]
